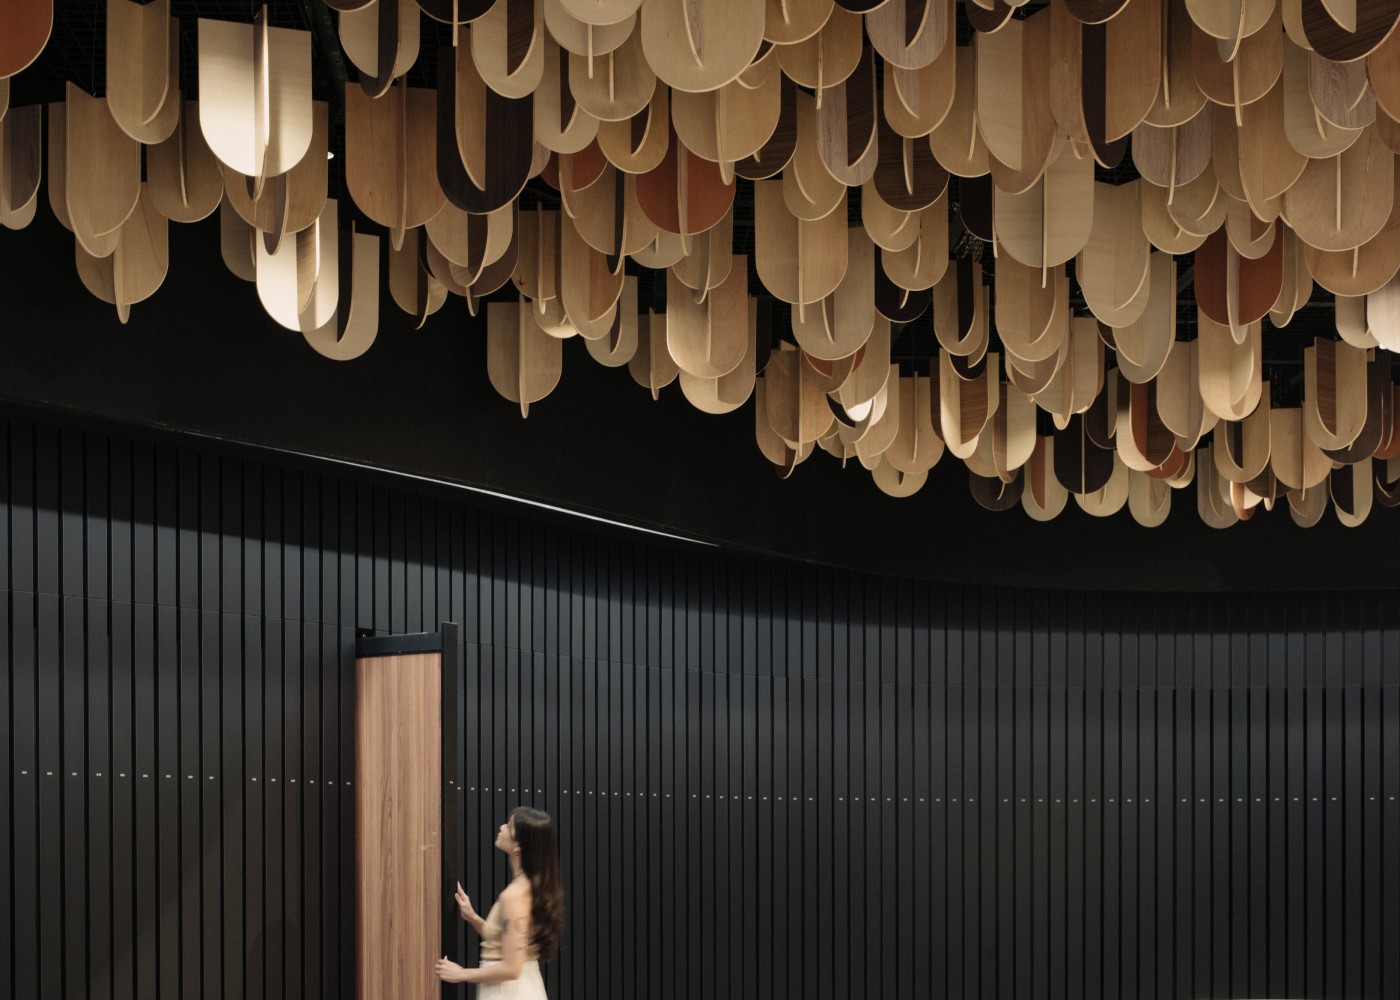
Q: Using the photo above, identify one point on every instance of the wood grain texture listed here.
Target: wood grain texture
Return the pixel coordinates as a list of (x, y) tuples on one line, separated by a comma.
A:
[(398, 824)]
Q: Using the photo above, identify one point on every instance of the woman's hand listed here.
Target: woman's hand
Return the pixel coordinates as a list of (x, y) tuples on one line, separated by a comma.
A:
[(449, 972), (464, 904)]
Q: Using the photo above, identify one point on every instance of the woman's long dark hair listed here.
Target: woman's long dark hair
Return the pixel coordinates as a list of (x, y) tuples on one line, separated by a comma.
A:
[(539, 859)]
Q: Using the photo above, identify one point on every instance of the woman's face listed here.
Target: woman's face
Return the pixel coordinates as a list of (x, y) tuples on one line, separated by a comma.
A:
[(505, 838)]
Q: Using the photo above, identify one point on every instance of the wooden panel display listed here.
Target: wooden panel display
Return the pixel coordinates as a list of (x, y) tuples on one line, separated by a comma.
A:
[(398, 823), (902, 788)]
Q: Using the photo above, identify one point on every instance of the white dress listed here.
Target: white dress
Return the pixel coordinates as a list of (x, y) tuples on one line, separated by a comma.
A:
[(530, 985)]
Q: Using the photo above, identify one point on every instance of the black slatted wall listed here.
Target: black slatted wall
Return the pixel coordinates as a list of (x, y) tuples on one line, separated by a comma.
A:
[(772, 780)]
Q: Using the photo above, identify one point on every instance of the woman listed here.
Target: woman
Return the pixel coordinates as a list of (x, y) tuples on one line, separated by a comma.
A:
[(524, 926)]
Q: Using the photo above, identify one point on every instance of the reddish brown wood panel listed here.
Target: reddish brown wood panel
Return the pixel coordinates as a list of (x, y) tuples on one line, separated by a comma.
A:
[(398, 823)]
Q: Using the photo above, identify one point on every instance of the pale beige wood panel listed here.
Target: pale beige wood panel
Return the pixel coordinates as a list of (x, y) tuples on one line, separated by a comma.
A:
[(184, 178), (255, 95), (102, 172), (398, 824), (699, 45)]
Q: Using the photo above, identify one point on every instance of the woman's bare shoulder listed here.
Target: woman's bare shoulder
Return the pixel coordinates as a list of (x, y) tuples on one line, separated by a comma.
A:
[(517, 890)]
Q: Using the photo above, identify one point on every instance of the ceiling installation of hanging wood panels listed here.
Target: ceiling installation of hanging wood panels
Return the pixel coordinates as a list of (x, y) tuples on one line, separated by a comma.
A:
[(1100, 211)]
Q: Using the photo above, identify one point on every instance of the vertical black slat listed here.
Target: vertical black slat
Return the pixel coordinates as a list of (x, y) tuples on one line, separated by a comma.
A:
[(1013, 816), (633, 783), (711, 931), (1111, 795), (448, 569), (1238, 805), (9, 772), (1349, 796), (382, 529), (167, 725), (300, 577), (1076, 837), (143, 548), (121, 768), (345, 543), (987, 803), (951, 807), (1149, 805), (1119, 673), (1184, 828), (357, 540), (23, 539), (1048, 652), (1033, 965), (1295, 775), (916, 829), (69, 560), (1131, 808), (843, 753), (210, 473), (757, 793), (864, 828), (1276, 796), (1390, 817), (1334, 826), (22, 641), (95, 520), (592, 779), (232, 778), (273, 783), (211, 915), (453, 927), (1314, 836), (1374, 831), (671, 895), (417, 591), (290, 837), (1096, 869), (269, 540), (1372, 850), (254, 600), (71, 779), (1203, 857), (1220, 804), (904, 816), (312, 794), (828, 834), (940, 853), (656, 849), (1166, 797), (974, 697), (255, 788), (232, 525), (1257, 803), (190, 777), (345, 803), (788, 818), (1014, 800), (611, 831), (96, 870), (50, 709), (53, 927), (145, 779), (757, 875)]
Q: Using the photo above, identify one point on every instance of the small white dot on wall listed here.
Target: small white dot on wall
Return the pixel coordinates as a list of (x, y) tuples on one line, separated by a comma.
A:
[(255, 779), (99, 774), (75, 774), (122, 775)]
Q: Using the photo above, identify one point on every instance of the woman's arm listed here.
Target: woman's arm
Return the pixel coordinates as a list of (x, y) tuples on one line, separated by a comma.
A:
[(464, 906), (514, 944)]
